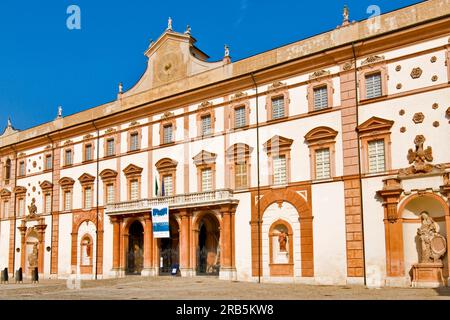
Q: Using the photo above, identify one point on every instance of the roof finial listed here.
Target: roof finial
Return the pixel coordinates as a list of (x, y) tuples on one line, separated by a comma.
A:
[(151, 42), (169, 24), (227, 51), (188, 29), (9, 125), (345, 15), (59, 116), (120, 88)]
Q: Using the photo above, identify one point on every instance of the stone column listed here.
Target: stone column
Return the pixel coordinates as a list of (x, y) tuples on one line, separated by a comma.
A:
[(116, 245), (148, 247), (23, 248), (227, 269), (185, 235), (393, 226)]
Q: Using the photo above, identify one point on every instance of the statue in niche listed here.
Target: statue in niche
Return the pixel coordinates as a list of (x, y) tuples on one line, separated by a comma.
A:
[(33, 257), (32, 209), (282, 240), (138, 261), (433, 245)]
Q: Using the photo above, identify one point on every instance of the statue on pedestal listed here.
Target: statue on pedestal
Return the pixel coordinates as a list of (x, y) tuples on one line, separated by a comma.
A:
[(282, 240), (433, 245), (33, 257), (32, 209)]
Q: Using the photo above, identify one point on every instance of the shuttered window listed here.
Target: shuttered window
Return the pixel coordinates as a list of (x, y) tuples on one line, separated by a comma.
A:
[(67, 200), (279, 170), (206, 179), (48, 203), (320, 98), (168, 185), (323, 163), (68, 158), (110, 193), (21, 207), (278, 108), (5, 209), (110, 147), (376, 156), (373, 85), (87, 198), (239, 117), (134, 144), (48, 162), (241, 175), (206, 125), (168, 134), (22, 168), (134, 190), (88, 152)]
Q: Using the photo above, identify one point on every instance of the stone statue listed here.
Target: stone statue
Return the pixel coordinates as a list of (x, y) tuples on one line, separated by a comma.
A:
[(227, 51), (188, 30), (32, 209), (138, 261), (420, 156), (33, 257), (433, 244), (282, 240), (120, 87), (169, 24), (346, 14), (59, 112)]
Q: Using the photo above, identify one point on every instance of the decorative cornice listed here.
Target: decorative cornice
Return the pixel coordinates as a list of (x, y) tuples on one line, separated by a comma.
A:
[(205, 104), (86, 178), (318, 74), (132, 169), (88, 136), (276, 85), (66, 182), (108, 174), (20, 190), (167, 114), (239, 95), (166, 164), (375, 124), (320, 134), (68, 142), (46, 185), (238, 150), (278, 143), (204, 157), (134, 123), (372, 59)]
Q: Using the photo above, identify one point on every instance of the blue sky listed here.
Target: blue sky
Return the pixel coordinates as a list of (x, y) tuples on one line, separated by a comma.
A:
[(43, 64)]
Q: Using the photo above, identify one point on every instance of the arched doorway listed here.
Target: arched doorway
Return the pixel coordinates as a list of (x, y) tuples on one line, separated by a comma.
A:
[(32, 252), (135, 257), (169, 249), (208, 248)]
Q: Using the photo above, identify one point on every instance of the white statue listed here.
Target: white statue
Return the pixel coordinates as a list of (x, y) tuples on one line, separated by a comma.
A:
[(188, 29), (227, 51), (120, 87), (9, 125), (59, 112), (169, 24), (346, 14)]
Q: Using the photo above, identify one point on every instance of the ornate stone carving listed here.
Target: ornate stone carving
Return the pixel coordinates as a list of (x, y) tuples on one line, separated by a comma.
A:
[(416, 73), (319, 73), (32, 209), (239, 95), (276, 85), (434, 78), (435, 106), (399, 86), (372, 59), (167, 114), (436, 124), (419, 158), (433, 59), (401, 112), (134, 123), (447, 112), (282, 240), (403, 129), (205, 104), (433, 244), (68, 142), (347, 66), (398, 68), (418, 117), (110, 130), (33, 257), (88, 136)]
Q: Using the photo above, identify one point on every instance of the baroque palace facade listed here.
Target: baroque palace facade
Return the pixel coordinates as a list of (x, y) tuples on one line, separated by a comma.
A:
[(309, 163)]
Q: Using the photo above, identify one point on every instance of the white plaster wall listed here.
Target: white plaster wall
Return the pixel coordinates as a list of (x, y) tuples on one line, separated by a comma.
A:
[(288, 213), (374, 233), (330, 258), (107, 247), (4, 243), (47, 243), (64, 245), (31, 182), (242, 240)]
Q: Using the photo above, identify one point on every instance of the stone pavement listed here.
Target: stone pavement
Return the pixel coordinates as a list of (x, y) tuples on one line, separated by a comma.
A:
[(204, 288)]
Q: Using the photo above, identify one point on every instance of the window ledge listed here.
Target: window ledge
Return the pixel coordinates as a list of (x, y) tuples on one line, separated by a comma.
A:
[(279, 186), (320, 110), (373, 100)]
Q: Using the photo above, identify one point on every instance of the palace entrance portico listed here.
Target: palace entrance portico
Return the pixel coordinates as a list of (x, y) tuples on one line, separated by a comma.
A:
[(201, 236)]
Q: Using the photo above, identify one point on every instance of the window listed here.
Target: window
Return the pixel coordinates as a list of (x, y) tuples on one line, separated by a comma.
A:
[(320, 98), (110, 147), (376, 156), (67, 200), (323, 163), (206, 125), (48, 162), (373, 85), (48, 202), (206, 179), (21, 207), (68, 158), (22, 168), (240, 117), (134, 189), (5, 209), (8, 169), (277, 107), (279, 170), (168, 185), (110, 193), (168, 134), (240, 175), (134, 142), (87, 197), (88, 152)]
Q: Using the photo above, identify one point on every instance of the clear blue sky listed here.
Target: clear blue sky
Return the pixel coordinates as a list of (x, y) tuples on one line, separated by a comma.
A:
[(43, 64)]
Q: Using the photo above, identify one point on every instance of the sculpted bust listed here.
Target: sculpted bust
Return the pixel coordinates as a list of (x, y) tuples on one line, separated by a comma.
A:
[(32, 209)]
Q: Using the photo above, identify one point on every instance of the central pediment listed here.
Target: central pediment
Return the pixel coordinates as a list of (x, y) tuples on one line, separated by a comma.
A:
[(172, 57)]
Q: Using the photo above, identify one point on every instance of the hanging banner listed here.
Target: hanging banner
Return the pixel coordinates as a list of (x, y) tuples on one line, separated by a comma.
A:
[(160, 221)]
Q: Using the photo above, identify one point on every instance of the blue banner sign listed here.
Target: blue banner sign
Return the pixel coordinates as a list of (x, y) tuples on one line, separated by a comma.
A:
[(160, 221)]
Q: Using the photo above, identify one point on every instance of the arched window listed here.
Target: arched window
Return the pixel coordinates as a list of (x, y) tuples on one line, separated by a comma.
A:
[(8, 169)]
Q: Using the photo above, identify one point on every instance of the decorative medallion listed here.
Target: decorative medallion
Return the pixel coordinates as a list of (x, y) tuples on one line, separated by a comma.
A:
[(34, 164), (418, 117), (447, 112), (433, 59), (399, 86), (403, 129), (398, 68), (436, 124), (372, 59), (401, 112), (319, 73), (416, 73), (435, 106), (434, 78), (347, 66)]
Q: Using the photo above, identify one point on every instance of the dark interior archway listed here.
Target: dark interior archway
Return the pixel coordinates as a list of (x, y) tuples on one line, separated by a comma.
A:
[(135, 257), (169, 250), (208, 249)]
